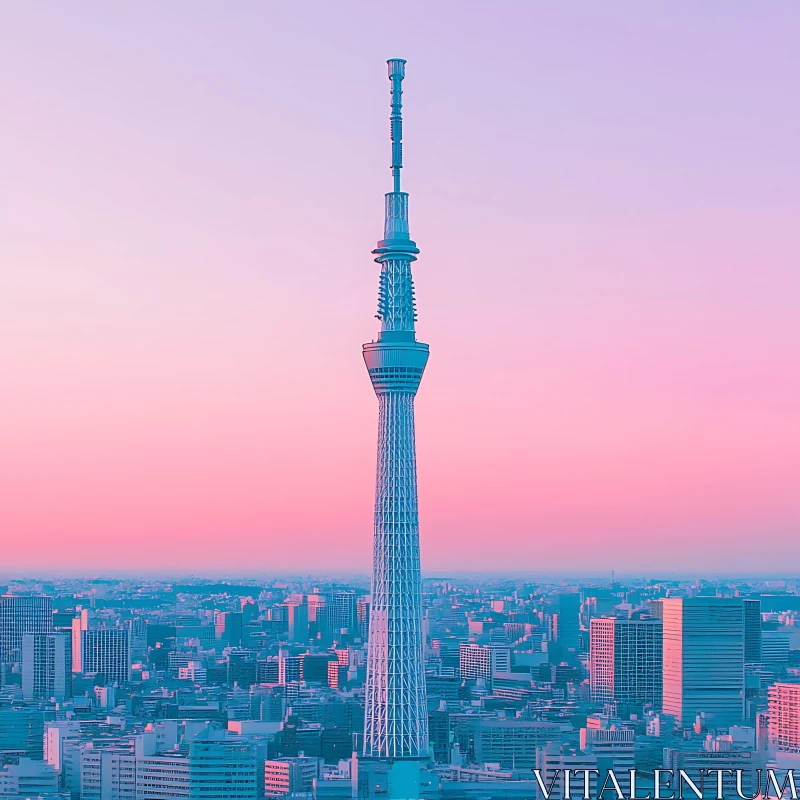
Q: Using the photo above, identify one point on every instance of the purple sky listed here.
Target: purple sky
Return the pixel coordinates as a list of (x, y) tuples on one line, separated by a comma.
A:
[(606, 197)]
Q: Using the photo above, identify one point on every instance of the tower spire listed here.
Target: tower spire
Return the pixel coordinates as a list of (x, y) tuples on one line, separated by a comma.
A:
[(397, 71)]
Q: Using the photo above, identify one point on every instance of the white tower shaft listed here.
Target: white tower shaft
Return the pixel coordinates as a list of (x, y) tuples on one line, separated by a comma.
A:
[(396, 714)]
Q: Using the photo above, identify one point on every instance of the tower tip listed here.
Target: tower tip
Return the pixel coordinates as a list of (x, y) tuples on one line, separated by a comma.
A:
[(397, 67), (397, 71)]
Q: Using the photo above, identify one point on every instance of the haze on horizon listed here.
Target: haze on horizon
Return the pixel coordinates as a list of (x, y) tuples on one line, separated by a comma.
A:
[(606, 201)]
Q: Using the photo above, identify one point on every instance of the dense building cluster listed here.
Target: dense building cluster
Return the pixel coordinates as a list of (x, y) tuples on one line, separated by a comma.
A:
[(155, 689)]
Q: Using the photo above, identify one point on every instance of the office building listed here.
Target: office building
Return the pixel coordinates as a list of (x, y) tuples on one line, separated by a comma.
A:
[(215, 769), (334, 670), (703, 659), (362, 613), (512, 743), (47, 666), (162, 777), (567, 627), (290, 668), (223, 768), (344, 613), (290, 776), (242, 667), (775, 647), (297, 614), (784, 717), (318, 617), (228, 627), (194, 672), (752, 631), (22, 729), (626, 661), (314, 667), (20, 615), (28, 778), (717, 753), (106, 653), (80, 623), (612, 744), (267, 670), (108, 773), (268, 702), (483, 661), (554, 760)]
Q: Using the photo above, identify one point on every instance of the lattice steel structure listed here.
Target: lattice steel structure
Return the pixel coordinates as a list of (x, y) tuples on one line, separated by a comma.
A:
[(396, 715)]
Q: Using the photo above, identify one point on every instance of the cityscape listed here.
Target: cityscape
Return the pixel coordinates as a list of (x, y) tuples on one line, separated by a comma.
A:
[(150, 688), (555, 677)]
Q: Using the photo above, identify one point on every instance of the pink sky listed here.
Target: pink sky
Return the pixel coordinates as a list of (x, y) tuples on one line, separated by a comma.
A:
[(607, 204)]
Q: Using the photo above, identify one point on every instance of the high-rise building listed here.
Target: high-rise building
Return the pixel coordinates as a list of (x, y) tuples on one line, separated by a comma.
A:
[(290, 668), (626, 661), (344, 615), (396, 714), (567, 628), (228, 627), (314, 667), (315, 601), (334, 671), (225, 768), (752, 631), (46, 666), (784, 717), (106, 652), (79, 624), (362, 612), (20, 615), (483, 661), (242, 667), (297, 614), (267, 670), (703, 659)]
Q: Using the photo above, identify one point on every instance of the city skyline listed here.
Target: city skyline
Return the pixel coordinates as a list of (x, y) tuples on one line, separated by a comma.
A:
[(607, 206), (117, 690)]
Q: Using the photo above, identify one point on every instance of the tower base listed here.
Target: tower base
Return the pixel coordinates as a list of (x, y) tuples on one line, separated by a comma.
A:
[(395, 779)]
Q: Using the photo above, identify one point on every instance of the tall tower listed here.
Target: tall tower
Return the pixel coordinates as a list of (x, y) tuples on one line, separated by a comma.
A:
[(396, 714)]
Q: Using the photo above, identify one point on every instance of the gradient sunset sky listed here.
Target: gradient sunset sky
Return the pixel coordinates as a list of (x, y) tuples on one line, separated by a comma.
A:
[(607, 200)]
